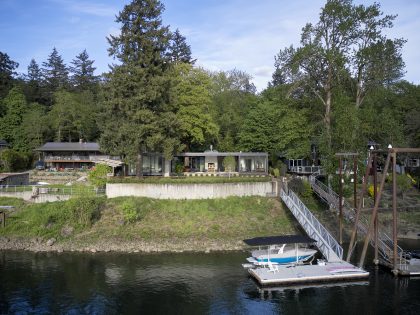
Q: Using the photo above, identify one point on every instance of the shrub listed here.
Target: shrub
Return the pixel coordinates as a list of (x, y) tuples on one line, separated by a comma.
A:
[(371, 190), (129, 211), (98, 175), (229, 163), (179, 168), (300, 187), (84, 210), (307, 190), (404, 184)]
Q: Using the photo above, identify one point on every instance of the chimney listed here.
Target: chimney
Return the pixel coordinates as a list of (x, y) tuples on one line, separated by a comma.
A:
[(80, 140), (211, 147)]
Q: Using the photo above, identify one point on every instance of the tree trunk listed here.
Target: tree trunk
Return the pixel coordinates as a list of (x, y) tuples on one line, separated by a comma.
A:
[(359, 89), (139, 165), (327, 115)]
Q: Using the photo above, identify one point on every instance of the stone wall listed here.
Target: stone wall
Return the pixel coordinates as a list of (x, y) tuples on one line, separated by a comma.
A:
[(190, 191)]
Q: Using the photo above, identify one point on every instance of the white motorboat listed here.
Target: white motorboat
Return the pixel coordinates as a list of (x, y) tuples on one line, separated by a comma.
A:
[(279, 251)]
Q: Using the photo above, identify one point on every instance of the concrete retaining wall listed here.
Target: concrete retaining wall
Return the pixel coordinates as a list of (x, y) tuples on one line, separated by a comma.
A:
[(190, 191), (27, 196)]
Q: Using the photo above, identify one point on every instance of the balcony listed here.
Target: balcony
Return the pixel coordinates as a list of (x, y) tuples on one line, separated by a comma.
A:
[(305, 169), (76, 158)]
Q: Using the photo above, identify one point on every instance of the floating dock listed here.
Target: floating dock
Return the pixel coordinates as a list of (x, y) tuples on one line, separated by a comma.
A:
[(290, 274), (411, 268)]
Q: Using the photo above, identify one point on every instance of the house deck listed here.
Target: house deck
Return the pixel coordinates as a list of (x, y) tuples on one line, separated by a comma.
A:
[(287, 274)]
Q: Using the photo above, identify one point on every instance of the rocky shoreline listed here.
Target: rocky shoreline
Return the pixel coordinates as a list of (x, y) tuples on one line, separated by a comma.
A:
[(178, 246)]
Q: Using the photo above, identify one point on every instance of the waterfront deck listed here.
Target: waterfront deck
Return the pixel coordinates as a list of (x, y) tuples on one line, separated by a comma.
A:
[(290, 274)]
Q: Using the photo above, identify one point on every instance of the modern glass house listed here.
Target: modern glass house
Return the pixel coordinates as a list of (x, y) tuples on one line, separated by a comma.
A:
[(202, 163), (213, 162)]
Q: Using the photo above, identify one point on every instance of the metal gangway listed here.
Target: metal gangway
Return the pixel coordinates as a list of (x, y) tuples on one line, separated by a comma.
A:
[(326, 243), (385, 243)]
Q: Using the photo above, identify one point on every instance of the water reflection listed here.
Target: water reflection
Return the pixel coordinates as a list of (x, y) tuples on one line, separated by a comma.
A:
[(181, 283)]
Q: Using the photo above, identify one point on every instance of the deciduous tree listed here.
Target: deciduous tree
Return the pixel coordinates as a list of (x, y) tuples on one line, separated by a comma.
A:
[(193, 102), (10, 123)]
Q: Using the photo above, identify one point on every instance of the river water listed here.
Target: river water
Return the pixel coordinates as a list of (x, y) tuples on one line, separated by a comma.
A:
[(215, 283)]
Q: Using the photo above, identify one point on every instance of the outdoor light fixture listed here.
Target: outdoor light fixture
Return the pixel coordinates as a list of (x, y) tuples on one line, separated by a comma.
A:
[(389, 146), (371, 147)]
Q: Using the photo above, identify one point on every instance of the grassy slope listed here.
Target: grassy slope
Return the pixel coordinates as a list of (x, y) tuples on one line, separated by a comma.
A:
[(230, 219)]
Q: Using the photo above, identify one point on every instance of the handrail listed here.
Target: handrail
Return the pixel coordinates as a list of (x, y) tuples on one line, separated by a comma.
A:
[(315, 228), (385, 243)]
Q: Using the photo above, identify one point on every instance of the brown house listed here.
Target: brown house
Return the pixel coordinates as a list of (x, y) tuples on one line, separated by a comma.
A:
[(70, 155)]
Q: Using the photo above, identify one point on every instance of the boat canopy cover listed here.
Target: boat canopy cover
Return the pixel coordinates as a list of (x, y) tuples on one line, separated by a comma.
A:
[(281, 239)]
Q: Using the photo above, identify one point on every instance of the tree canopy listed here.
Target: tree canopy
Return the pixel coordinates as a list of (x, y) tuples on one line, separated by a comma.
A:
[(340, 87)]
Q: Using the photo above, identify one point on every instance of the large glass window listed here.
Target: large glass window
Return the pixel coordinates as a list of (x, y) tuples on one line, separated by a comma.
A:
[(152, 164), (260, 164), (197, 164)]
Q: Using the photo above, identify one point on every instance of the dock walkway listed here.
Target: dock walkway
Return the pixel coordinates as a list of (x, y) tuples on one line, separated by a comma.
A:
[(325, 242)]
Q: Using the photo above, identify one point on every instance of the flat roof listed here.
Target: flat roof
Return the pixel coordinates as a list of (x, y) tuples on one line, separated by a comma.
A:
[(69, 146), (280, 239), (216, 153)]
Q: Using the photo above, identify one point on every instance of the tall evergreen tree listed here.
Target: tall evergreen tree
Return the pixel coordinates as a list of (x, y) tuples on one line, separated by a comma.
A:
[(137, 116), (33, 88), (179, 50), (34, 72), (7, 71), (83, 72), (55, 72)]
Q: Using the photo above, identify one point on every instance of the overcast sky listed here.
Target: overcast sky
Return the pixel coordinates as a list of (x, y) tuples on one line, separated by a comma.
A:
[(223, 34)]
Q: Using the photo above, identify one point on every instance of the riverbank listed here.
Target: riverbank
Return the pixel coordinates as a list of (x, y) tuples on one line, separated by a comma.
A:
[(115, 245), (131, 224)]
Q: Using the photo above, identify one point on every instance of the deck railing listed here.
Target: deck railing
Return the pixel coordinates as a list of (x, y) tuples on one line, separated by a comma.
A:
[(326, 243), (36, 189), (304, 169), (77, 158)]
